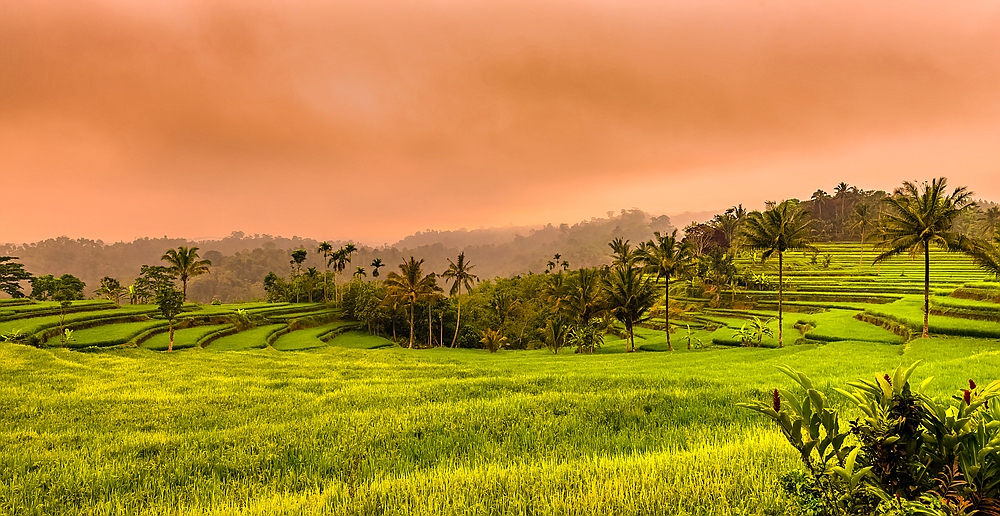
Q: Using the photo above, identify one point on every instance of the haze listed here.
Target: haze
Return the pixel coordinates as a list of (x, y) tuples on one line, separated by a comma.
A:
[(370, 120)]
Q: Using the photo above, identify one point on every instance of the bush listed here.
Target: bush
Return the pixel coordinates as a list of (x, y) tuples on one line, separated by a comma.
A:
[(907, 454)]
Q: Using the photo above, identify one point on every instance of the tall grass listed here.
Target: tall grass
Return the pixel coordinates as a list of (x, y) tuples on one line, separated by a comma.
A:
[(391, 431)]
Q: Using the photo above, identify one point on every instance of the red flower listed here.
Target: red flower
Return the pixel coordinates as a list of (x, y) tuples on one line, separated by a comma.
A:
[(967, 397), (888, 380), (776, 401), (972, 385)]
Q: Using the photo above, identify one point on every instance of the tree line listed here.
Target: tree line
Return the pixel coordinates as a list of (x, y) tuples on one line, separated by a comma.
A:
[(560, 306)]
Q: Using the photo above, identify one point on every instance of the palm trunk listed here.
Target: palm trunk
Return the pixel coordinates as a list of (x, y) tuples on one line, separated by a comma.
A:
[(170, 347), (411, 325), (184, 286), (430, 327), (781, 287), (441, 328), (927, 287), (458, 319), (861, 259), (326, 281), (666, 313)]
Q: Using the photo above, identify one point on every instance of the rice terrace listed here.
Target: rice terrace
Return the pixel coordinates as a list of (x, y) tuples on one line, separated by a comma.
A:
[(491, 258), (549, 393)]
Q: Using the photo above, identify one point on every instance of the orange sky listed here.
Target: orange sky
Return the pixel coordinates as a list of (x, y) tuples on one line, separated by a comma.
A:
[(371, 120)]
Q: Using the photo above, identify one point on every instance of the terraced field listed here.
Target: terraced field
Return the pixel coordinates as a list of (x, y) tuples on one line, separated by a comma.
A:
[(101, 324), (842, 301), (313, 416)]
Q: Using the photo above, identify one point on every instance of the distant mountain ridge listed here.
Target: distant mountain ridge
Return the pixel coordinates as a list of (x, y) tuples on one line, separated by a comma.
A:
[(240, 261)]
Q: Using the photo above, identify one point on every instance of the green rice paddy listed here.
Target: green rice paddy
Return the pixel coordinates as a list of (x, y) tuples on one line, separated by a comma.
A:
[(317, 417)]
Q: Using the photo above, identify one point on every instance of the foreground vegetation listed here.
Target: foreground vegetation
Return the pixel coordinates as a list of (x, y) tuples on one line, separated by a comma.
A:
[(307, 403), (392, 431)]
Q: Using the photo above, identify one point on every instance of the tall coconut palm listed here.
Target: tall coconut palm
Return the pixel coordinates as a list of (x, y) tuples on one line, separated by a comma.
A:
[(184, 264), (411, 286), (991, 218), (376, 265), (325, 249), (630, 295), (779, 229), (459, 271), (338, 260), (582, 295), (622, 252), (916, 217), (863, 218), (666, 257), (298, 258)]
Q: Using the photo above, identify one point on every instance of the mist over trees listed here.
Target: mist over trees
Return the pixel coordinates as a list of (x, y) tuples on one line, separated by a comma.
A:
[(240, 262)]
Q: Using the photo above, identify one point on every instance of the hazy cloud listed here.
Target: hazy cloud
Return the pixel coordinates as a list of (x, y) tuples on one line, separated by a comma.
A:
[(369, 120)]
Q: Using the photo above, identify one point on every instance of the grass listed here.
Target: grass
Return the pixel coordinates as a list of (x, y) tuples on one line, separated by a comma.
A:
[(249, 339), (310, 338), (112, 334), (185, 338), (360, 340), (333, 429), (392, 431)]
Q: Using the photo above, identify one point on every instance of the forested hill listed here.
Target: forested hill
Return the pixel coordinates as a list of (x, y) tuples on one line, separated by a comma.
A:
[(240, 261)]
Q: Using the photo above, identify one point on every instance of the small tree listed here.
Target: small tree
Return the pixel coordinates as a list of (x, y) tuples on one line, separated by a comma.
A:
[(556, 333), (66, 289), (170, 302), (493, 340), (11, 275), (111, 289)]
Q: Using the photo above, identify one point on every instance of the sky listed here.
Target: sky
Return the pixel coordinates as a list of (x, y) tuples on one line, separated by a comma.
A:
[(372, 120)]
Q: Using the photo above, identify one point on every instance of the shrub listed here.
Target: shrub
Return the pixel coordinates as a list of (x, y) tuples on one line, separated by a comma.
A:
[(907, 454)]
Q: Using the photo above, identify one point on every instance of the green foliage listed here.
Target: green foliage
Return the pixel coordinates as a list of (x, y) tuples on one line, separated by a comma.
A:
[(64, 288), (169, 302), (185, 264), (587, 338), (410, 285), (152, 279), (777, 230), (908, 453), (752, 333), (11, 275), (916, 218), (493, 340), (630, 295), (112, 290)]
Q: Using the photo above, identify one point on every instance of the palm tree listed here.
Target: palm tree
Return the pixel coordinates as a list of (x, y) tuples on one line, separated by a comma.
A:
[(376, 265), (862, 222), (298, 257), (360, 272), (582, 295), (916, 217), (411, 285), (991, 218), (782, 228), (666, 257), (325, 249), (184, 264), (622, 251), (630, 296), (338, 259), (460, 272)]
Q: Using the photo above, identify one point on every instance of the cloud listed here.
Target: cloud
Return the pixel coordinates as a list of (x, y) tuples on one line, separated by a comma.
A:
[(370, 120)]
